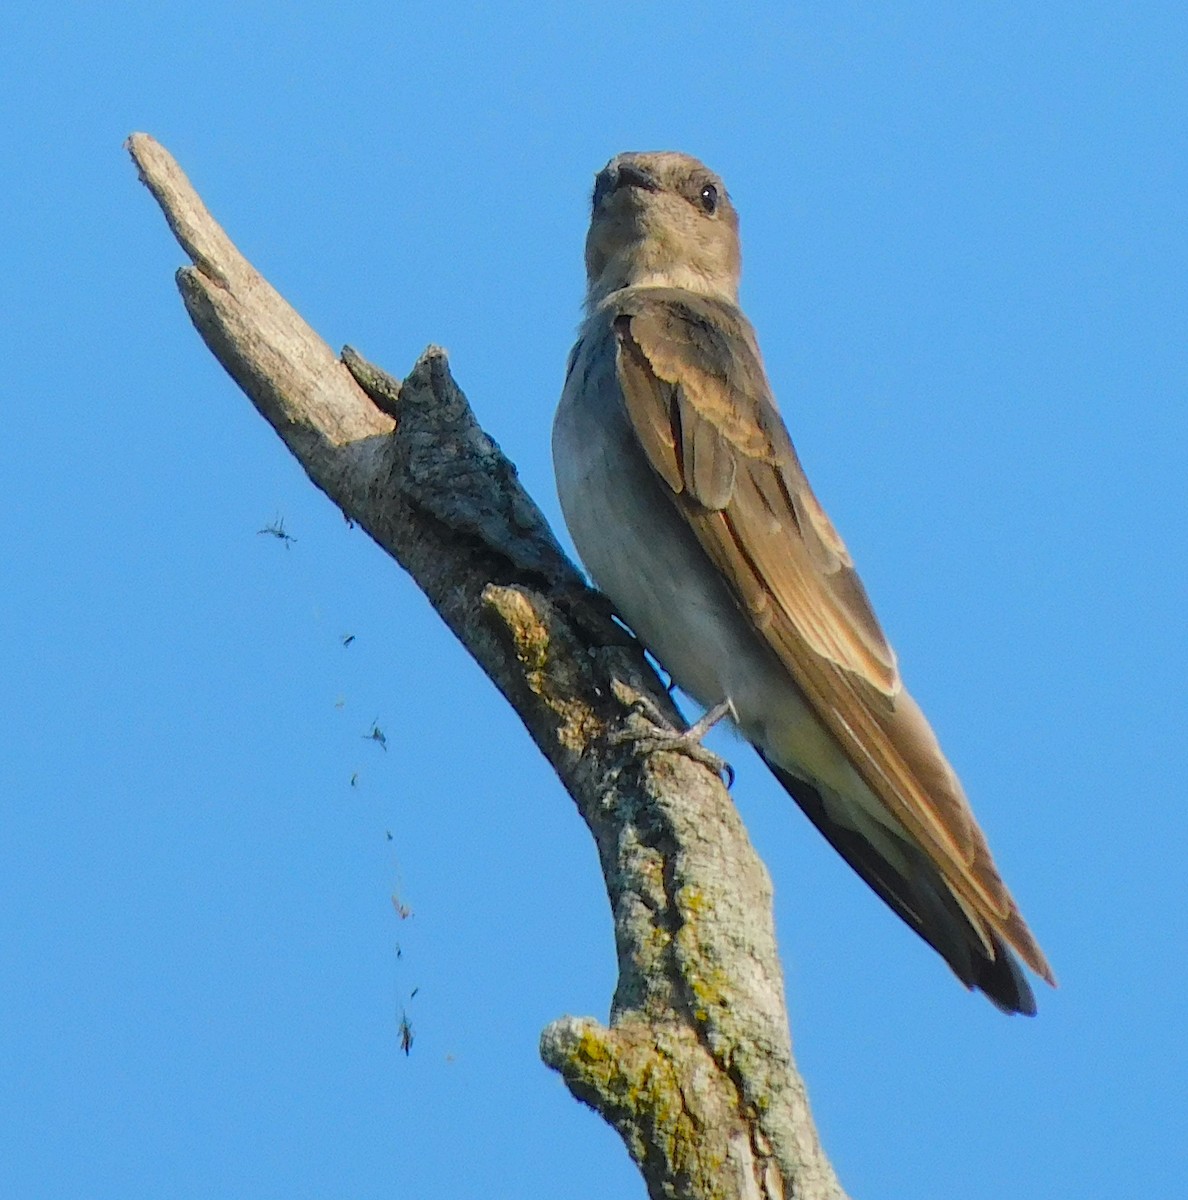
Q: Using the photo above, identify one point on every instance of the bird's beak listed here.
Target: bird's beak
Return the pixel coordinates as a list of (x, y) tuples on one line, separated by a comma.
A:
[(630, 175), (615, 177)]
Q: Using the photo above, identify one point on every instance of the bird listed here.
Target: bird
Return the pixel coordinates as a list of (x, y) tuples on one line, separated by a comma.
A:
[(690, 510)]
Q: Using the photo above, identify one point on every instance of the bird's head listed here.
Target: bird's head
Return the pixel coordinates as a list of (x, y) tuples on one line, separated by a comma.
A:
[(661, 219)]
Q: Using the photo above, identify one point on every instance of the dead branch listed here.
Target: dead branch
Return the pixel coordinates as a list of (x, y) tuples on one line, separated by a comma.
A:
[(695, 1068)]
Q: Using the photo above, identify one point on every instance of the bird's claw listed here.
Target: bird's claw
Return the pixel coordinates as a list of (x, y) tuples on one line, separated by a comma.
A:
[(663, 736)]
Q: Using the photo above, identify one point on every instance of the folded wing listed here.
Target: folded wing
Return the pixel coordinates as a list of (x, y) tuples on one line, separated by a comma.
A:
[(698, 400)]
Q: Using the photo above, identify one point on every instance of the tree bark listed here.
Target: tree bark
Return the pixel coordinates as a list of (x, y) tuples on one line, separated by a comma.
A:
[(695, 1068)]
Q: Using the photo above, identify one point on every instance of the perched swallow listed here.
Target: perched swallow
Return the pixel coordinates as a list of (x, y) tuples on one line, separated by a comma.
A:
[(689, 508)]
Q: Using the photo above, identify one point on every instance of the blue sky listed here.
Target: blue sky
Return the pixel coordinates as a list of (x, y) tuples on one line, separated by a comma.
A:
[(965, 254)]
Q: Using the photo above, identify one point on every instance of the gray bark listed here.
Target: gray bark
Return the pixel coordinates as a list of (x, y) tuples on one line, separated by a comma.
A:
[(695, 1067)]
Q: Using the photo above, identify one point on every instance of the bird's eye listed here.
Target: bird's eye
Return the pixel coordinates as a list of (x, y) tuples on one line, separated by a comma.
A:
[(708, 197)]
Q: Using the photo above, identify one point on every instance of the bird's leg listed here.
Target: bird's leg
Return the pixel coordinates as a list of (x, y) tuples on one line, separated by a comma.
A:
[(663, 736)]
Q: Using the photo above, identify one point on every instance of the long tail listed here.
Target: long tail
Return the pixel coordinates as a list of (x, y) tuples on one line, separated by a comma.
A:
[(921, 899)]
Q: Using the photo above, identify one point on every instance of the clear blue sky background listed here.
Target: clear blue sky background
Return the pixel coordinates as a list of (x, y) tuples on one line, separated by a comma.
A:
[(965, 242)]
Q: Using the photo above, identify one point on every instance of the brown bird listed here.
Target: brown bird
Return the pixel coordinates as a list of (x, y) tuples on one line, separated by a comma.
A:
[(690, 509)]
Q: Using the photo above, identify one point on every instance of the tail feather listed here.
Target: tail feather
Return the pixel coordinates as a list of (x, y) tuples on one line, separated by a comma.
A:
[(921, 900)]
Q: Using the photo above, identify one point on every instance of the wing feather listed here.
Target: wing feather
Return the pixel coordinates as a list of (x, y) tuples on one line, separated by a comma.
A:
[(698, 400)]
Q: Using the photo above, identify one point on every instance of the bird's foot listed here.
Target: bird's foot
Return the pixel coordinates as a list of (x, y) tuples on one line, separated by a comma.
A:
[(663, 736)]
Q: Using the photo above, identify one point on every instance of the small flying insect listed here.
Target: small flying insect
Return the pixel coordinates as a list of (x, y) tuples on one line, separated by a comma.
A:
[(277, 530), (376, 734)]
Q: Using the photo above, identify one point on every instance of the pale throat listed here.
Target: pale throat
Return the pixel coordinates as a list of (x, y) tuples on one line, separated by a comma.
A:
[(623, 272)]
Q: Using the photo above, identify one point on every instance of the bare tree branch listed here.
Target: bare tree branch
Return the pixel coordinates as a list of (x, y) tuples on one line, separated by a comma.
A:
[(695, 1069)]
